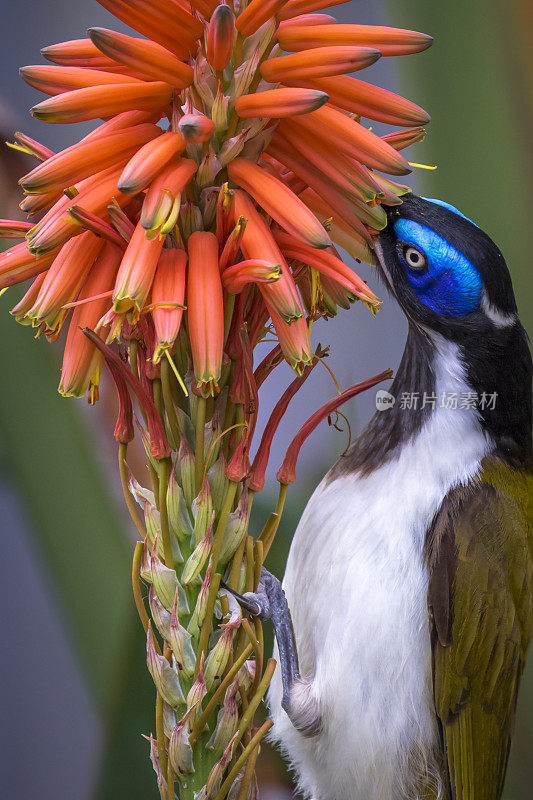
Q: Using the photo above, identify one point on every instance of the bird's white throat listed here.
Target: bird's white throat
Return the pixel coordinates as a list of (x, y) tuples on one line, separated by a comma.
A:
[(356, 583)]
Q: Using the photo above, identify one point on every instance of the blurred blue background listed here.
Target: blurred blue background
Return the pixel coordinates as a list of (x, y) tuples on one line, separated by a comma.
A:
[(75, 696)]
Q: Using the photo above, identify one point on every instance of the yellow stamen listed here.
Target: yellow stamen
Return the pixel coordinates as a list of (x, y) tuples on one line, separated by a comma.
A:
[(422, 166), (176, 373)]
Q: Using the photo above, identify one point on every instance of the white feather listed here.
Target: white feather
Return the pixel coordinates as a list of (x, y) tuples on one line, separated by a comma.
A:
[(356, 584)]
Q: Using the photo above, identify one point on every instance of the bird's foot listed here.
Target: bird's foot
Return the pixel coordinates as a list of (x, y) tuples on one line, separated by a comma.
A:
[(269, 602)]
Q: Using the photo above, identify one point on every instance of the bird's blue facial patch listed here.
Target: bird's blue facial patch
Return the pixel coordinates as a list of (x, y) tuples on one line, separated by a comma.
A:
[(450, 284), (449, 207)]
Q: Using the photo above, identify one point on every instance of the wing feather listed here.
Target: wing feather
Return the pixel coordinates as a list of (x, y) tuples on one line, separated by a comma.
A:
[(478, 665)]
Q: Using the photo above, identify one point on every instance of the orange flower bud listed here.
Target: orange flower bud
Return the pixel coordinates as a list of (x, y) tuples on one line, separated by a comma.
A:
[(79, 53), (137, 270), (54, 80), (277, 103), (369, 101), (150, 160), (220, 37), (321, 62), (256, 14), (142, 55), (168, 296), (390, 41), (103, 101), (85, 158), (205, 311), (196, 128), (279, 201)]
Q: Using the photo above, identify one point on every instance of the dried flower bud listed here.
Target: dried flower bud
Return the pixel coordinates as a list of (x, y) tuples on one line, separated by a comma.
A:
[(179, 750), (202, 511), (160, 615), (180, 642), (198, 558), (164, 676), (235, 529), (198, 614), (178, 516), (186, 464), (218, 481), (165, 581), (196, 694), (227, 720), (218, 657)]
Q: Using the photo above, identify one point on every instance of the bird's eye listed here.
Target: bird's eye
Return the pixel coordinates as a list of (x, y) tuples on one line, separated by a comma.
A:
[(414, 258)]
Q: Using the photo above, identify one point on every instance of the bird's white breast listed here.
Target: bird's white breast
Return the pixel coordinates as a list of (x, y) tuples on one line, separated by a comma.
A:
[(356, 583)]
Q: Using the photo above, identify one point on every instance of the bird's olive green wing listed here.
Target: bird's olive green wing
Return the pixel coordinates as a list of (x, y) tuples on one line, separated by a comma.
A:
[(480, 598)]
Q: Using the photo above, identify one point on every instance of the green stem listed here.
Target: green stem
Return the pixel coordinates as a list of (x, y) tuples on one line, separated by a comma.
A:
[(228, 314), (222, 522), (160, 733), (165, 530), (128, 497), (199, 444), (246, 753), (158, 400), (169, 402)]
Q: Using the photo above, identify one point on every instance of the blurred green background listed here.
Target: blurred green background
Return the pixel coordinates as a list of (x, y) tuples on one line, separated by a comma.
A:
[(75, 696)]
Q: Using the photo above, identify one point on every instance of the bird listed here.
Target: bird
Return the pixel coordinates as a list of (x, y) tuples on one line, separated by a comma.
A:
[(406, 609)]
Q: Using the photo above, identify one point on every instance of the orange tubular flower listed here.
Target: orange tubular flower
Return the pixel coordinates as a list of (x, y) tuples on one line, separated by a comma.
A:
[(256, 13), (163, 21), (82, 160), (13, 229), (328, 264), (164, 192), (322, 62), (257, 270), (294, 340), (137, 270), (258, 243), (82, 362), (64, 280), (220, 35), (276, 103), (81, 53), (389, 41), (168, 297), (335, 129), (17, 264), (143, 56), (53, 80), (369, 101), (294, 8), (205, 311), (278, 201), (56, 227), (103, 101), (149, 161)]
